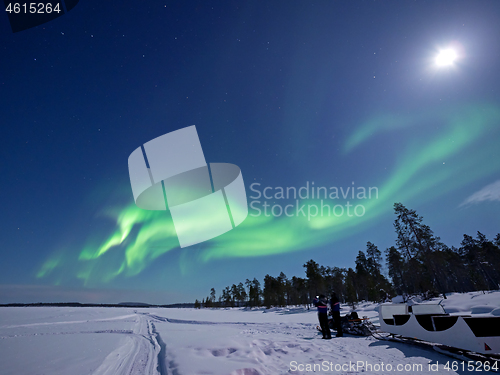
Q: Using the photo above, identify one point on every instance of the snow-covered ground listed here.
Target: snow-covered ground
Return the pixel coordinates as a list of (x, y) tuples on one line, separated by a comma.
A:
[(115, 341)]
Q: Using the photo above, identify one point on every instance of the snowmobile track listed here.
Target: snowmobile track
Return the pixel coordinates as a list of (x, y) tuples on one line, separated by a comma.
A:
[(141, 354)]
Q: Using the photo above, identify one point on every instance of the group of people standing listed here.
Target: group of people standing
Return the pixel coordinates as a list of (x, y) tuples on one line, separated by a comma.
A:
[(321, 302)]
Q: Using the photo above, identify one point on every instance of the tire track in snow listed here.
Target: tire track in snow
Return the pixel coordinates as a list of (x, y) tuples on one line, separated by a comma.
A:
[(139, 355), (162, 365), (115, 331), (102, 320)]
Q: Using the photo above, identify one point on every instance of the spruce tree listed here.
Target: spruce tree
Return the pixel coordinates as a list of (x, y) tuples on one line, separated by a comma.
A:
[(418, 242)]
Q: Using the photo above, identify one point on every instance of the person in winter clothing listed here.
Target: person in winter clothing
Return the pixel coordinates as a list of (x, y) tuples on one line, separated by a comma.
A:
[(322, 304), (335, 305)]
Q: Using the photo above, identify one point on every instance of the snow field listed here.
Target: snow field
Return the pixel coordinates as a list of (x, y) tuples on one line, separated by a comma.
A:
[(114, 341)]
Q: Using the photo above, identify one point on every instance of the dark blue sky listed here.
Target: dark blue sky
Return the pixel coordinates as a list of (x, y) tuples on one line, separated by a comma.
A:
[(292, 92)]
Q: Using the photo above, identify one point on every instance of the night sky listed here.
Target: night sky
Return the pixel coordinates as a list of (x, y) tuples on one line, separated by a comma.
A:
[(342, 94)]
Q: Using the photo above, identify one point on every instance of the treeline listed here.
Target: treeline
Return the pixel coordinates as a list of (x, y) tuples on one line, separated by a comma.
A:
[(78, 304), (419, 263)]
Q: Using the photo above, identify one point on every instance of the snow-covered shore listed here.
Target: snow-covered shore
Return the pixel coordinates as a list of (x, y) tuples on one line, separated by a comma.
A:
[(113, 341)]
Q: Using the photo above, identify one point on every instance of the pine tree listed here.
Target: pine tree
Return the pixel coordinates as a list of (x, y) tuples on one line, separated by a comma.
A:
[(212, 297), (483, 260), (299, 291), (363, 279), (235, 295), (254, 292), (418, 242), (314, 279), (378, 285), (226, 296), (281, 282), (396, 267), (270, 291), (496, 241), (351, 288), (242, 294), (337, 282)]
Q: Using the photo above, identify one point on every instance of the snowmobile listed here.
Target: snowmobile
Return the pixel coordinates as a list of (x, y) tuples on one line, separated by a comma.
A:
[(352, 324)]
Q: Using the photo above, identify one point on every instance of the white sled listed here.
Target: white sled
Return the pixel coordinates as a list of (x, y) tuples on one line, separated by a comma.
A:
[(430, 322)]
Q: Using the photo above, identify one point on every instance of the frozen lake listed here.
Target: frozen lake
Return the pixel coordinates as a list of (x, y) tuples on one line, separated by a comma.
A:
[(92, 340)]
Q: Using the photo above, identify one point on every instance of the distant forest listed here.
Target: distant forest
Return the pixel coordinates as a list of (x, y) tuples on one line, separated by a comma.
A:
[(418, 263)]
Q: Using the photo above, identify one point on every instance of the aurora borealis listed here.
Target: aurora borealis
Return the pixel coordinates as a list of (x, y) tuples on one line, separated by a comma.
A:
[(154, 235), (339, 95)]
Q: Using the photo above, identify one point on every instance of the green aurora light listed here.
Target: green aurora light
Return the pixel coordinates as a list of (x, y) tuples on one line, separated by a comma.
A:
[(141, 236)]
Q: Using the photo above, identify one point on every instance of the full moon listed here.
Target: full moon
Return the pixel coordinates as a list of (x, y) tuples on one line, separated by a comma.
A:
[(446, 57)]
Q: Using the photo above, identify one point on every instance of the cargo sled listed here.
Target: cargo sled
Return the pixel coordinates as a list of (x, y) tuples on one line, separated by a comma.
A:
[(430, 322)]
